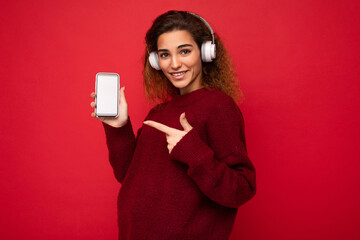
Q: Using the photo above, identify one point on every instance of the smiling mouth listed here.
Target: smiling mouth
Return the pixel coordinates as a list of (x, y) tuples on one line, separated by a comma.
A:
[(178, 73)]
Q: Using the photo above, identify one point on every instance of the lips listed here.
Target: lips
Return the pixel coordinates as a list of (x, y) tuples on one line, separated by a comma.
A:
[(178, 75)]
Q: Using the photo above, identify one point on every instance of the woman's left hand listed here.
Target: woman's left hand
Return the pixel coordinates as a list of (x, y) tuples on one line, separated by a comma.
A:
[(173, 135)]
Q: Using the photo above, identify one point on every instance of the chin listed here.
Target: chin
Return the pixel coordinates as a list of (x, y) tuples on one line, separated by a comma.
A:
[(180, 85)]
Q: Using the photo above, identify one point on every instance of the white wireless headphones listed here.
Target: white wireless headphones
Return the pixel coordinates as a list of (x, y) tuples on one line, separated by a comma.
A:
[(208, 49)]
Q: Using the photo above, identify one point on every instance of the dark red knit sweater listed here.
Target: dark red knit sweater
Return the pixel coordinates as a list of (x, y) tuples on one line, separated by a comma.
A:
[(194, 192)]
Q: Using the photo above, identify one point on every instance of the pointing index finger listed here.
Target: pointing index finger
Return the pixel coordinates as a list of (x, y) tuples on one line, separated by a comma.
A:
[(159, 126)]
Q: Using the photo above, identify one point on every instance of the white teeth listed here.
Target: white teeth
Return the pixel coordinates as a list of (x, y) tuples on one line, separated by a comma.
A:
[(177, 74)]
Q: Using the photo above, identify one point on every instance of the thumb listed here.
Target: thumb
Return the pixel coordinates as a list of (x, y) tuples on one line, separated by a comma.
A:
[(122, 95), (184, 123)]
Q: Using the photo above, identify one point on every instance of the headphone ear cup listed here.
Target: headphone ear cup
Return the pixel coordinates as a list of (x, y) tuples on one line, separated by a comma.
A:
[(154, 60), (208, 51)]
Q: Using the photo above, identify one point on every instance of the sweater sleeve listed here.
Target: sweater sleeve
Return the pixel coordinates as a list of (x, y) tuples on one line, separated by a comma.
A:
[(222, 169), (121, 145)]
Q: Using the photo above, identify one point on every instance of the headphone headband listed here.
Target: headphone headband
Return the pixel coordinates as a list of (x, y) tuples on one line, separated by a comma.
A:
[(207, 24)]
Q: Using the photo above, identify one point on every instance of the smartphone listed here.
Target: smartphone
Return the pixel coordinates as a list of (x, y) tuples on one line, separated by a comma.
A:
[(107, 94)]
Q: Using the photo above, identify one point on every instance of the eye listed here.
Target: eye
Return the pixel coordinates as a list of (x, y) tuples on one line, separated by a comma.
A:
[(185, 51), (163, 55)]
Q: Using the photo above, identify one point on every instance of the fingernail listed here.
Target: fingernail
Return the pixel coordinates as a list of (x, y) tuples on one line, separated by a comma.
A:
[(145, 122)]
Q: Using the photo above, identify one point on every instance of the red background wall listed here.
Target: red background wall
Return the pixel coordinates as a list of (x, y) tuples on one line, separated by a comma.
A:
[(297, 63)]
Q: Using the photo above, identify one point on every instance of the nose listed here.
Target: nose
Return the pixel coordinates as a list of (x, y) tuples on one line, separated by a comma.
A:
[(175, 62)]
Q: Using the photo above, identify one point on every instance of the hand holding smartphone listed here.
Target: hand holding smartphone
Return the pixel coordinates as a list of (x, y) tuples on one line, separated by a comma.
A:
[(110, 103)]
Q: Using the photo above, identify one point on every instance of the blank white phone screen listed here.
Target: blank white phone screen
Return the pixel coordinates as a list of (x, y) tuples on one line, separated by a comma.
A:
[(107, 94)]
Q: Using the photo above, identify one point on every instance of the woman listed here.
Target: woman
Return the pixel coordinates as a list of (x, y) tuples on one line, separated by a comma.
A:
[(183, 176)]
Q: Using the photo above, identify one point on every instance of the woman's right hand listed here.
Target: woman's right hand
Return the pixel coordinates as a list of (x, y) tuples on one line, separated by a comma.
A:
[(123, 111)]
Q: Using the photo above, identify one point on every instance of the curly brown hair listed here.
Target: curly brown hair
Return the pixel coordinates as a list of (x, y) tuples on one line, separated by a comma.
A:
[(218, 74)]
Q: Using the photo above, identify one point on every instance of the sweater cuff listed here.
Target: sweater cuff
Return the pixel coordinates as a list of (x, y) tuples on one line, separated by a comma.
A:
[(191, 150), (114, 133)]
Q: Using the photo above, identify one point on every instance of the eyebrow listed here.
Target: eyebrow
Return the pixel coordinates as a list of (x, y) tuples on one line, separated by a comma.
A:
[(180, 46)]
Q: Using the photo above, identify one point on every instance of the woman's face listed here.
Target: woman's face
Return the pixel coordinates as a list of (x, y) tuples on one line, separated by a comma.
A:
[(180, 61)]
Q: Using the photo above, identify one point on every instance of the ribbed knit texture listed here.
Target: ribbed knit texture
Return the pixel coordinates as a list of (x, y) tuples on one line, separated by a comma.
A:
[(194, 192)]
